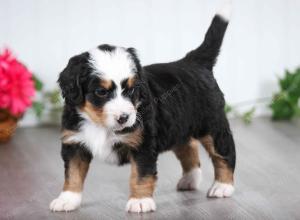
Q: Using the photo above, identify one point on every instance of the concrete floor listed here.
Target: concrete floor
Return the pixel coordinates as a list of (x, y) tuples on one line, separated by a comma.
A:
[(267, 179)]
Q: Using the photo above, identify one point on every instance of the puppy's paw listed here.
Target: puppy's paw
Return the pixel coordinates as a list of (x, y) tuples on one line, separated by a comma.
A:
[(220, 190), (140, 205), (190, 180), (66, 201)]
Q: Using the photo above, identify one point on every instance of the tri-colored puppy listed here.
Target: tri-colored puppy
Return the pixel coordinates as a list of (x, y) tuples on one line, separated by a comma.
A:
[(122, 112)]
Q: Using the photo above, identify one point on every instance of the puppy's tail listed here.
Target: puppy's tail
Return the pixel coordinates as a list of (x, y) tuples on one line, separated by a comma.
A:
[(207, 53)]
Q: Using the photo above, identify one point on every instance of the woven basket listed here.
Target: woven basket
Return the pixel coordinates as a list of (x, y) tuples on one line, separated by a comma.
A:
[(8, 125)]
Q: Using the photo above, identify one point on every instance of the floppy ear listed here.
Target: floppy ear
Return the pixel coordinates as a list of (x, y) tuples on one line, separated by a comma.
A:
[(72, 79), (144, 92), (133, 54)]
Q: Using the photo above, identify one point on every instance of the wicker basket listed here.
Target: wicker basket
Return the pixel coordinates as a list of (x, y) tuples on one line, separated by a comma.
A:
[(8, 125)]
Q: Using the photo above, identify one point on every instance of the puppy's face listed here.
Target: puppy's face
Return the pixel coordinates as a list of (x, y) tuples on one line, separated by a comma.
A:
[(108, 79)]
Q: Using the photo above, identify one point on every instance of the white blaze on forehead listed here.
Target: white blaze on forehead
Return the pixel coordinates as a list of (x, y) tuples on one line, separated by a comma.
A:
[(115, 65)]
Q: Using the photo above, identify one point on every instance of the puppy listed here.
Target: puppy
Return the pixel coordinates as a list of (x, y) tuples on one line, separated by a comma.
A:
[(122, 112)]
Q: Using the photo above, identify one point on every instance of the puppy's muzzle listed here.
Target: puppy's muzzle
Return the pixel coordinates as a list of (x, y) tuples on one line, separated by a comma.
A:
[(123, 118)]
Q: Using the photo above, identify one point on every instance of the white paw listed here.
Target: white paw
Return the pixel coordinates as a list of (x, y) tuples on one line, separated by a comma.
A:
[(220, 190), (190, 180), (140, 205), (66, 201)]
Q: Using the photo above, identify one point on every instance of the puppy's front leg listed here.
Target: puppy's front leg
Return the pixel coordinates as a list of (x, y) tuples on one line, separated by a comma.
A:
[(142, 184), (77, 160)]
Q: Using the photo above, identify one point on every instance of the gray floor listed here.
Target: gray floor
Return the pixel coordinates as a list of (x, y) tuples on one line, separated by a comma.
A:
[(267, 179)]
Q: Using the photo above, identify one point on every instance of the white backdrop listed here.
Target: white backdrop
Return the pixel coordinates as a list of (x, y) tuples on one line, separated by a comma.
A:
[(262, 39)]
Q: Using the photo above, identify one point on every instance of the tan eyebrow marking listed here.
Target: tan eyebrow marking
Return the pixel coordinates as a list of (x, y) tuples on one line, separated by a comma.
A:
[(107, 84), (130, 81)]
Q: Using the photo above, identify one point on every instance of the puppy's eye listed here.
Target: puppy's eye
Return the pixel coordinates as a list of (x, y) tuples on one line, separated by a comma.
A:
[(101, 92)]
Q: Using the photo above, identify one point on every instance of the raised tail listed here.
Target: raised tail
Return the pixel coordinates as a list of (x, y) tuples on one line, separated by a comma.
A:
[(208, 51)]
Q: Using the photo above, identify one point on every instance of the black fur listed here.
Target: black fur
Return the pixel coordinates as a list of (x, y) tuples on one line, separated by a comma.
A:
[(107, 47), (73, 78), (207, 53), (70, 151), (179, 100)]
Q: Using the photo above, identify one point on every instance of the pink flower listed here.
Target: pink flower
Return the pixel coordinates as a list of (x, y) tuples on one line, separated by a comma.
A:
[(16, 85)]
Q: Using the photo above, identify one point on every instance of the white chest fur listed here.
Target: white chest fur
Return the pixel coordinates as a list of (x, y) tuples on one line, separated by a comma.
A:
[(98, 140)]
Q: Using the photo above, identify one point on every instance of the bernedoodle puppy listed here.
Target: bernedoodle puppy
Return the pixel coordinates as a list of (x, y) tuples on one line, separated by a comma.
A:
[(123, 112)]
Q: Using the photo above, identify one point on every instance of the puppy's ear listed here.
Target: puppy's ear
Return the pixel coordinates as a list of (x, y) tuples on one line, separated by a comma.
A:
[(134, 56), (72, 79)]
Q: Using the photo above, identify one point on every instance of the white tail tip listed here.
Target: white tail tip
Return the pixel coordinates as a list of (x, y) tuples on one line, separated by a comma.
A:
[(225, 10)]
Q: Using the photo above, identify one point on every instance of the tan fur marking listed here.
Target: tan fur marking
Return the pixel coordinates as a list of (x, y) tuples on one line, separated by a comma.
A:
[(140, 187), (130, 82), (75, 175), (188, 155), (134, 139), (223, 173), (65, 135), (107, 84), (96, 114), (208, 144)]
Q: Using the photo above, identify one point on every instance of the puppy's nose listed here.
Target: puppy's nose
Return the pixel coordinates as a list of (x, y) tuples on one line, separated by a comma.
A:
[(123, 118)]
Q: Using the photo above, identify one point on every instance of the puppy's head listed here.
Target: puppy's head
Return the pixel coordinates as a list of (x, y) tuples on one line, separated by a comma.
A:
[(104, 85)]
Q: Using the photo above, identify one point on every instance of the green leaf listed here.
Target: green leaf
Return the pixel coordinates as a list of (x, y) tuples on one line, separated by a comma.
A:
[(248, 116), (38, 108), (54, 97), (285, 102), (297, 111), (37, 83), (228, 108), (282, 109), (294, 88)]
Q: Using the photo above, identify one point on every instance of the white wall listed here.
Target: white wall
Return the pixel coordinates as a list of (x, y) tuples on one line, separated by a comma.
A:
[(262, 39)]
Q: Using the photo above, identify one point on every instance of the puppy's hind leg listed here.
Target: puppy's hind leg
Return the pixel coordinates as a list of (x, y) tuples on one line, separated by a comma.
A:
[(189, 158), (77, 161), (222, 152)]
